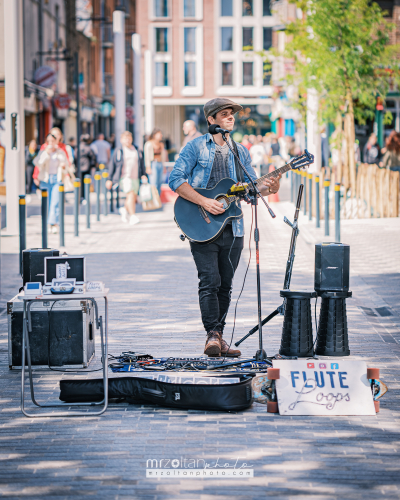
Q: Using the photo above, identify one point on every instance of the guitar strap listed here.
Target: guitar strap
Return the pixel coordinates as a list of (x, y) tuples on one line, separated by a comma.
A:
[(239, 171)]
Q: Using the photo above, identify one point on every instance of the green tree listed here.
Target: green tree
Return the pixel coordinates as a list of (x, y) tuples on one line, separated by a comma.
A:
[(341, 48)]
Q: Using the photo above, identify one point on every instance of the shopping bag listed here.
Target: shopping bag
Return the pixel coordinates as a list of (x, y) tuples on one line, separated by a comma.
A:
[(145, 193), (155, 201)]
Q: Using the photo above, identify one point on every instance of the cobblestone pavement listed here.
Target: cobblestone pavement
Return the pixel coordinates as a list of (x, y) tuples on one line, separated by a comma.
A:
[(154, 308)]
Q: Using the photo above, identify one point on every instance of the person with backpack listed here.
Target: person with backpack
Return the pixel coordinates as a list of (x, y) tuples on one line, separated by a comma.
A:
[(87, 159)]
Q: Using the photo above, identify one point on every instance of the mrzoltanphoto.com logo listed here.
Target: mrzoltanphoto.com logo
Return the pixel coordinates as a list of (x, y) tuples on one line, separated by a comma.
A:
[(192, 467)]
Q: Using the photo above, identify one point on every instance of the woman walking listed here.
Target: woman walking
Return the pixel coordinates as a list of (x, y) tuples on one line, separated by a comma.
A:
[(31, 153), (53, 166), (391, 158), (154, 155), (127, 168)]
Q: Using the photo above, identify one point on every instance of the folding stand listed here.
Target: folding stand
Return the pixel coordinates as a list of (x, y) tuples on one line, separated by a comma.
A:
[(27, 328)]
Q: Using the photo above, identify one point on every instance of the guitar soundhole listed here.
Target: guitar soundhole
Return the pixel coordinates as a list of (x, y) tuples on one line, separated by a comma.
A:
[(224, 200)]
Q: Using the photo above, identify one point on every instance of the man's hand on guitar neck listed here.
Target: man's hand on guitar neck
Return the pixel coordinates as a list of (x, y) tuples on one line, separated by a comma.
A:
[(211, 206), (271, 185)]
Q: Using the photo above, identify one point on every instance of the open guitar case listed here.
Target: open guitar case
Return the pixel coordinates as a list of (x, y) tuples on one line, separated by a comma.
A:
[(225, 397)]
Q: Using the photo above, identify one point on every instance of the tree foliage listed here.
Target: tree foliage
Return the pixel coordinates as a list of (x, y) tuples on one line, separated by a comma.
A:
[(341, 48)]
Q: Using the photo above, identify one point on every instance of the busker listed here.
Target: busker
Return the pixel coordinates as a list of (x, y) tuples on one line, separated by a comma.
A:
[(202, 163)]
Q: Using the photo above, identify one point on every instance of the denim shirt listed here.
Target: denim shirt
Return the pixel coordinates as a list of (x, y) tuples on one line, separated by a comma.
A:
[(194, 167)]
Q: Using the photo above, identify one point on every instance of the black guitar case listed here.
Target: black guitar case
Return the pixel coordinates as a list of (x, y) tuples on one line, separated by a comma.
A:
[(229, 397)]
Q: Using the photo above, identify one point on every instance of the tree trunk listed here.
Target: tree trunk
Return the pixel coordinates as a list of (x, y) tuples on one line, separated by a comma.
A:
[(351, 142)]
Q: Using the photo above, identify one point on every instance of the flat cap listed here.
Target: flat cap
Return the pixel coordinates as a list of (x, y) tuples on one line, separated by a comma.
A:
[(218, 104)]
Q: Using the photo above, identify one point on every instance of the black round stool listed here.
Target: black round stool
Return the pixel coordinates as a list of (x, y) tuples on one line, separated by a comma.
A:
[(332, 335), (297, 337)]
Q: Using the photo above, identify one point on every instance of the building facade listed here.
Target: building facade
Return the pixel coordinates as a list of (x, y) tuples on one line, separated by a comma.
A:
[(203, 49)]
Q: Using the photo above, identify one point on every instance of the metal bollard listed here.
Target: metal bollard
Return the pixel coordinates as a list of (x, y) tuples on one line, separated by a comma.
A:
[(304, 175), (117, 198), (309, 196), (87, 181), (291, 186), (104, 175), (77, 189), (326, 186), (317, 215), (337, 213), (97, 180), (61, 194), (102, 166), (44, 218), (22, 229), (111, 200)]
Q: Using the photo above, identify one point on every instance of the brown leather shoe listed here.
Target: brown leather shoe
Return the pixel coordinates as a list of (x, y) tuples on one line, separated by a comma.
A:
[(213, 345), (227, 351)]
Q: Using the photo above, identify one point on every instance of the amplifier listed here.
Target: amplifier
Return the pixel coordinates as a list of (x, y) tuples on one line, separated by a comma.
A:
[(332, 267), (33, 263), (71, 341)]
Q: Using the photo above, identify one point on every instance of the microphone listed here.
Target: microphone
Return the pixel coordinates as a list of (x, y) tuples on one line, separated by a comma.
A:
[(216, 129)]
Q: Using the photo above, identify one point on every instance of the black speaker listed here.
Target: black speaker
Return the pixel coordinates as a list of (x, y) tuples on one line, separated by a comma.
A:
[(33, 263), (332, 267)]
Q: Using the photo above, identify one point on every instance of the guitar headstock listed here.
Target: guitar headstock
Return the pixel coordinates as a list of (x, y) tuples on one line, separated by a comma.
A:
[(302, 161)]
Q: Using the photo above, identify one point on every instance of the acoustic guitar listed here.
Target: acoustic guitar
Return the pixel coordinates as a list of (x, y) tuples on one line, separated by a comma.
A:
[(200, 226)]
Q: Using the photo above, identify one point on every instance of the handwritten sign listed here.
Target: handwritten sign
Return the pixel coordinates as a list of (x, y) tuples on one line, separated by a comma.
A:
[(323, 387), (94, 286)]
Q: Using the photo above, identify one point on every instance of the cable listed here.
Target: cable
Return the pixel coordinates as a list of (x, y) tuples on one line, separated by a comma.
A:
[(244, 281), (316, 324)]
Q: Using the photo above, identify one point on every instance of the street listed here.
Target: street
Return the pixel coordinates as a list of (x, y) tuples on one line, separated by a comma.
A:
[(154, 309)]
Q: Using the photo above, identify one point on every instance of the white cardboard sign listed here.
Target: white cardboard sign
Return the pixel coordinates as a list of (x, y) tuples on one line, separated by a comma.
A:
[(323, 387)]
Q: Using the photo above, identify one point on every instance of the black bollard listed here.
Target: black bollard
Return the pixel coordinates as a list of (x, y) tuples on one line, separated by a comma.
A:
[(111, 200), (304, 175), (337, 213), (317, 215), (309, 196), (77, 189), (117, 198), (22, 229), (326, 185), (104, 176), (87, 181), (62, 214), (44, 218), (97, 181)]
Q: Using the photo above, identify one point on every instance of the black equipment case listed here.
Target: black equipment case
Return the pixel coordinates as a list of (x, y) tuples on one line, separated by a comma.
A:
[(227, 397), (33, 263), (71, 331)]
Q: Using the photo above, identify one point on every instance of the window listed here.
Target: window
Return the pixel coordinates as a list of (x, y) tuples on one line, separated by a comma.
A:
[(161, 39), (247, 38), (267, 8), (267, 38), (190, 40), (161, 76), (226, 38), (247, 73), (189, 8), (267, 77), (247, 7), (226, 8), (227, 73), (161, 8), (190, 74)]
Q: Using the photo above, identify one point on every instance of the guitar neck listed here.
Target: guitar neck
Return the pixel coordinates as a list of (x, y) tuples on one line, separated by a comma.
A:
[(275, 173)]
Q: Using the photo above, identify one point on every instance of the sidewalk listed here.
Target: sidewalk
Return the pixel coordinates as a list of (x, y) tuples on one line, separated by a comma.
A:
[(154, 309)]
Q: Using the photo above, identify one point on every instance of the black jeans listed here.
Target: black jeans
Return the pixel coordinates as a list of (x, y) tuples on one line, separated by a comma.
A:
[(216, 265)]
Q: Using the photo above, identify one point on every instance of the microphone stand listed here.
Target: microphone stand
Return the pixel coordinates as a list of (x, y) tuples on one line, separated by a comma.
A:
[(289, 265), (254, 194)]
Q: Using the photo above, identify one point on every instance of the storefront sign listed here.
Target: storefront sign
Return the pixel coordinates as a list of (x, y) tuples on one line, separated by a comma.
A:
[(62, 101), (45, 76), (323, 387)]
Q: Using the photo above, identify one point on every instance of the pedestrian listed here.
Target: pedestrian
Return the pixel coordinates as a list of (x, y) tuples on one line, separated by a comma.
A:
[(102, 150), (53, 166), (71, 147), (371, 151), (391, 159), (324, 148), (127, 168), (154, 154), (87, 158), (257, 153), (245, 142), (31, 152), (190, 130)]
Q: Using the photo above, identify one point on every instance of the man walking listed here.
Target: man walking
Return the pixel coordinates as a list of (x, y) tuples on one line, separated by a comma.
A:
[(101, 149), (202, 163), (190, 131)]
